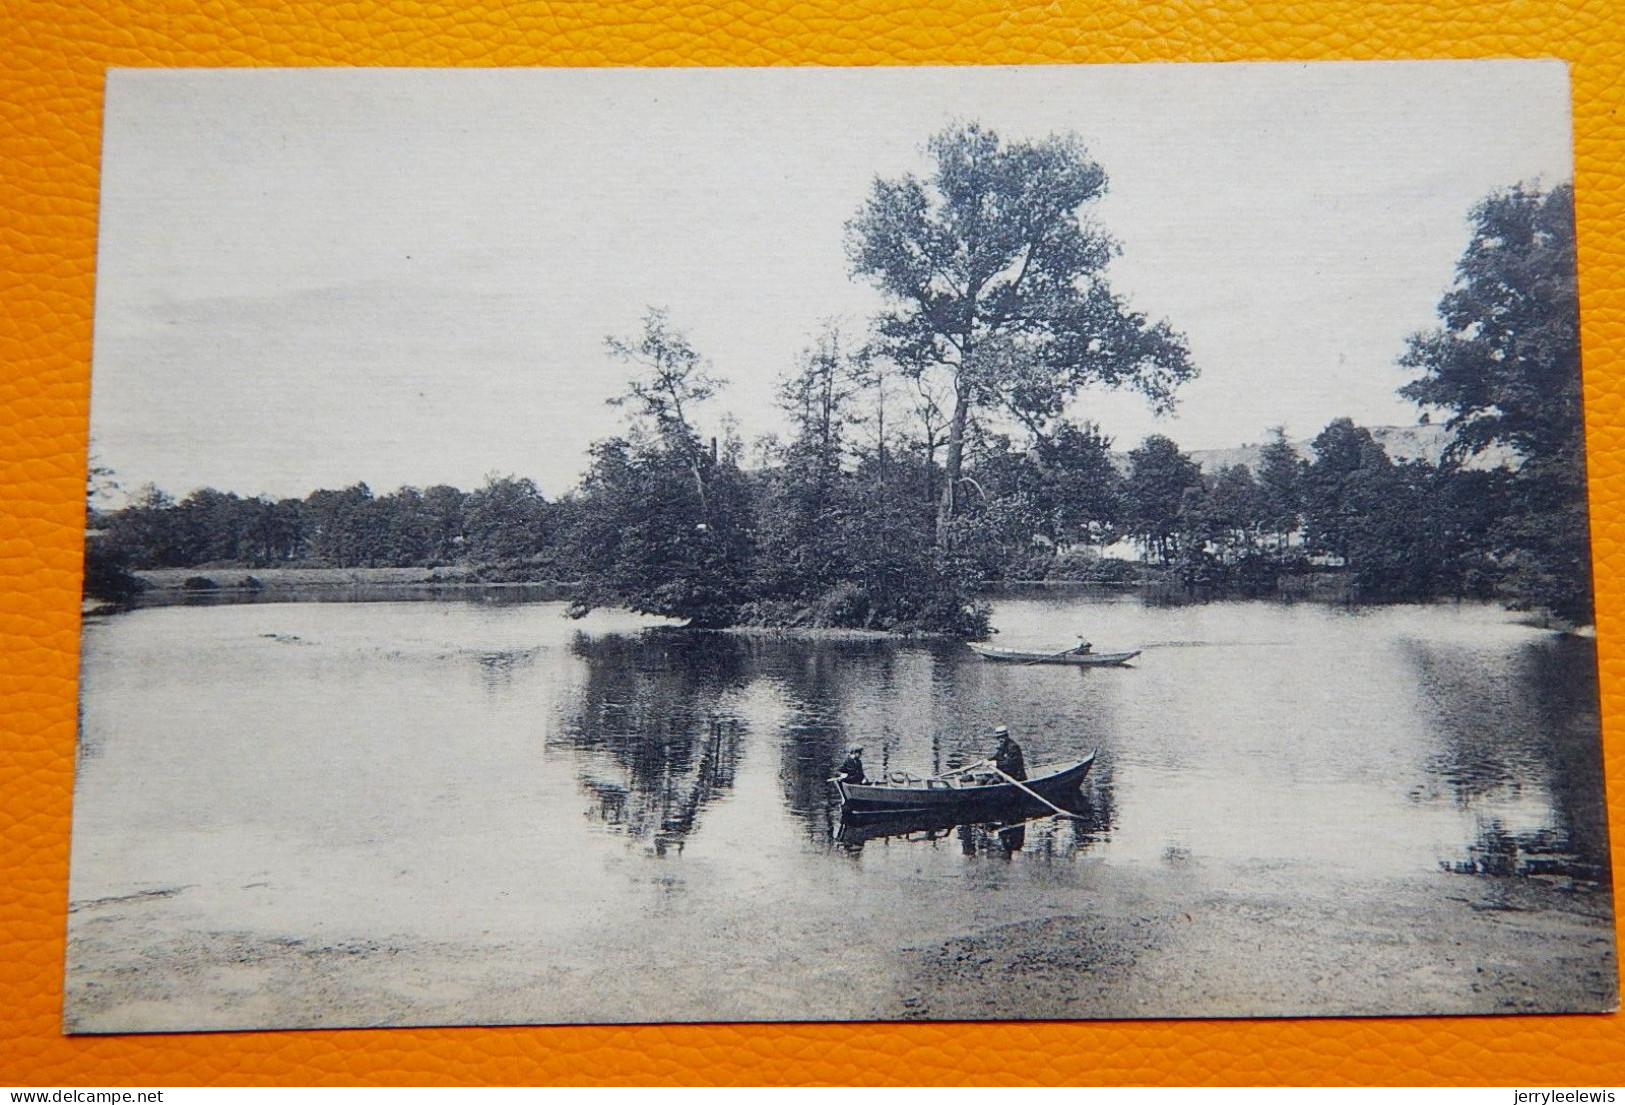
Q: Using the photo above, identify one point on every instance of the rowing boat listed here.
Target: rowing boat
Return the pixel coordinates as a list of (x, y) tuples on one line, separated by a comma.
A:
[(978, 790), (857, 828), (1083, 659)]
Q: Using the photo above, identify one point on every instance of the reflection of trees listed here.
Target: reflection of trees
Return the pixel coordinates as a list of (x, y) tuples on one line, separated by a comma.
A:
[(822, 680), (819, 677), (1481, 735), (655, 707), (658, 725), (1501, 851), (1564, 674), (1099, 806), (497, 668), (1528, 726)]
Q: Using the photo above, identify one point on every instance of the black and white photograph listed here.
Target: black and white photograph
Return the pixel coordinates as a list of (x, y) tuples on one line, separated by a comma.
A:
[(1056, 542)]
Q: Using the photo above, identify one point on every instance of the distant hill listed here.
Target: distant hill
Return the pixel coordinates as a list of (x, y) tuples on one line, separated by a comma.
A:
[(1426, 443)]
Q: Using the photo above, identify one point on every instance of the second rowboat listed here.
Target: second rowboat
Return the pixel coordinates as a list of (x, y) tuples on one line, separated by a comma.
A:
[(1072, 656)]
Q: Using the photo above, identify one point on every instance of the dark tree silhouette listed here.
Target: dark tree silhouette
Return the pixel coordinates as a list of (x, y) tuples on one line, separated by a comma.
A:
[(1505, 362), (998, 284)]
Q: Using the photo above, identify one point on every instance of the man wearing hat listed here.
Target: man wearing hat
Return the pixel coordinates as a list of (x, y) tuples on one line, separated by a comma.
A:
[(851, 769), (1007, 757)]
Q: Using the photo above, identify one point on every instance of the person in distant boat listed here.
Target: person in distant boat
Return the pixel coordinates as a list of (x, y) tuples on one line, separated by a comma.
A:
[(1084, 647), (1007, 757), (851, 769)]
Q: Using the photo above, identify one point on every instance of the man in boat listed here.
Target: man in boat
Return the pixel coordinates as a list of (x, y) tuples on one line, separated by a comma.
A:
[(851, 769), (1084, 647), (1007, 757)]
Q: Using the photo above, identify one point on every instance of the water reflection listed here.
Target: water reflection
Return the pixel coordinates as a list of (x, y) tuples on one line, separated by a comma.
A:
[(596, 797), (1508, 724), (498, 667), (998, 832), (817, 682), (1499, 850), (1098, 805), (625, 798), (1381, 741), (662, 721), (905, 702), (659, 735)]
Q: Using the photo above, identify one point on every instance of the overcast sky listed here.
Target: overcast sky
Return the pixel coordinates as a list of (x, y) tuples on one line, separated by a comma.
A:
[(312, 277)]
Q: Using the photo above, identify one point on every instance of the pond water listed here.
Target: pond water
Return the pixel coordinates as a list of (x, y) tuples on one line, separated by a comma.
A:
[(489, 773)]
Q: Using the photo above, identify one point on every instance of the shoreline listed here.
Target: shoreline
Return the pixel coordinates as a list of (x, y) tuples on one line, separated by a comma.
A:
[(267, 579), (173, 586), (1472, 946)]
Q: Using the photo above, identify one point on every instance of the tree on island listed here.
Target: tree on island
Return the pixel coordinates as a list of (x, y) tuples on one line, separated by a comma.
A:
[(802, 542), (1506, 361), (663, 524), (842, 537), (996, 283)]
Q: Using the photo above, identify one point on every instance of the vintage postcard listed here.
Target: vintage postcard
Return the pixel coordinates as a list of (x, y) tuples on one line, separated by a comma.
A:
[(572, 546)]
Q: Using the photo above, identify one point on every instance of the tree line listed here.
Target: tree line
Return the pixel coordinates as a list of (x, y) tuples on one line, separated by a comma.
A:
[(506, 523), (936, 453)]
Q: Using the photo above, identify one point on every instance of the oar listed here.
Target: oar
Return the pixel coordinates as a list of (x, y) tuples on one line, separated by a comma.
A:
[(967, 769), (1025, 789), (1047, 659)]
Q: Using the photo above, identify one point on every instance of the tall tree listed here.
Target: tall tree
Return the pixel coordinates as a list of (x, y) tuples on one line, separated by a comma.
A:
[(1080, 488), (147, 530), (1236, 511), (1159, 480), (107, 576), (894, 578), (1506, 359), (1071, 490), (1343, 487), (1506, 362), (506, 521), (819, 396), (1280, 488), (338, 525), (642, 538), (800, 528), (443, 523), (663, 525), (997, 282), (671, 378)]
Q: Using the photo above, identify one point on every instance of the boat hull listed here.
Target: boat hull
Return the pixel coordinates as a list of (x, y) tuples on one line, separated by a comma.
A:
[(1072, 659), (856, 829), (1053, 782)]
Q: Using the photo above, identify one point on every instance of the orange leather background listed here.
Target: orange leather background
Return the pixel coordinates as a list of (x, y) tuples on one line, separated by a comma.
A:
[(52, 56)]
